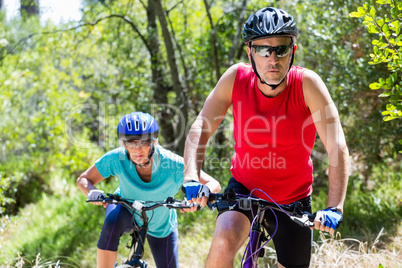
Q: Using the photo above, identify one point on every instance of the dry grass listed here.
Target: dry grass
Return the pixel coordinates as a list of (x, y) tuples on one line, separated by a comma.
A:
[(335, 252), (37, 262), (332, 252), (327, 252), (348, 252)]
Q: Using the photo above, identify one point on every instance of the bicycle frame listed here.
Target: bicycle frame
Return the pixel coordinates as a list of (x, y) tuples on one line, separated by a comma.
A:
[(254, 249), (137, 252), (139, 233)]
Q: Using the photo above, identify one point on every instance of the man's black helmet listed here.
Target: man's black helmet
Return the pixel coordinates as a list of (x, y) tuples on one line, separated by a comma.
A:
[(267, 22)]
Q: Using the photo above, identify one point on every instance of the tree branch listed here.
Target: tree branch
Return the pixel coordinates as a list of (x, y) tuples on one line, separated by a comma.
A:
[(123, 17), (174, 6)]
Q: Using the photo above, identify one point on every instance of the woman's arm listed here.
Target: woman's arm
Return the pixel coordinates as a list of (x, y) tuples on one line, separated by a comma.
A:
[(87, 181)]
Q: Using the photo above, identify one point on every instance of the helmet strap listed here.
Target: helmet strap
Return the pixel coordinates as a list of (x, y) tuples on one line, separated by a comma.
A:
[(273, 86)]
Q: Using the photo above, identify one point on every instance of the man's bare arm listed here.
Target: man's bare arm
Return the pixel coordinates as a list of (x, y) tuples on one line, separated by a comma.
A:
[(327, 122)]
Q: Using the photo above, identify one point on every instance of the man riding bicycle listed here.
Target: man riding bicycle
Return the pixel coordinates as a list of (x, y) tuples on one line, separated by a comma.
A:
[(277, 111), (147, 172)]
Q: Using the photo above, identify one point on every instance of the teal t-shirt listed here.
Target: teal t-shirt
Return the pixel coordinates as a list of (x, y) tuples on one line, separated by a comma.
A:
[(167, 177)]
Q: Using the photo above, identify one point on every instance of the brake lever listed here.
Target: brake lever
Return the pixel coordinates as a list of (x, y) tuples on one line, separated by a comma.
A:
[(304, 220)]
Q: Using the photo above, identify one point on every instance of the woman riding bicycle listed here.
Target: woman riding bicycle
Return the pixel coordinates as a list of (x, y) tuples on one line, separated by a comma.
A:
[(147, 172)]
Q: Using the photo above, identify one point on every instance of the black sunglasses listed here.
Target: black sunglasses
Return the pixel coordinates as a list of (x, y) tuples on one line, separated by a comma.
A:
[(266, 51)]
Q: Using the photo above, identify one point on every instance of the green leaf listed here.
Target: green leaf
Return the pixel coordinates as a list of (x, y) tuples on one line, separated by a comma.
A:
[(385, 28), (372, 12), (394, 12), (375, 86), (368, 18), (389, 118), (397, 26), (385, 94), (362, 10), (394, 77), (356, 14), (382, 44), (381, 2), (372, 29), (380, 22), (375, 50)]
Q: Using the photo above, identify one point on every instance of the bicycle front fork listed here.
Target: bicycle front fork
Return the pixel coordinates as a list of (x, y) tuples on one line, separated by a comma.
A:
[(254, 249)]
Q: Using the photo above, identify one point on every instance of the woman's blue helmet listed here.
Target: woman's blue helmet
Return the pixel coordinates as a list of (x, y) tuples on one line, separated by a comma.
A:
[(137, 126)]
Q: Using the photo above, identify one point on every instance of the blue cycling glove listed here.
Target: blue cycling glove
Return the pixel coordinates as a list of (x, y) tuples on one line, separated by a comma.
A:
[(330, 217), (194, 189)]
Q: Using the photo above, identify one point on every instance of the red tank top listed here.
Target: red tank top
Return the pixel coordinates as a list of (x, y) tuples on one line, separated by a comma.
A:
[(273, 138)]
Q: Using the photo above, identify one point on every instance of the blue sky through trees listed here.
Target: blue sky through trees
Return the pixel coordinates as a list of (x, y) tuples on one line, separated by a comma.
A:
[(55, 10)]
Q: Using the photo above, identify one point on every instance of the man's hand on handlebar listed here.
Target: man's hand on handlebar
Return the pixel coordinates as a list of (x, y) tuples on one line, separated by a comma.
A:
[(195, 193), (328, 220)]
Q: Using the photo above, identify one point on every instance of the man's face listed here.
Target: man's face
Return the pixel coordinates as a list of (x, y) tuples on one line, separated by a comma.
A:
[(271, 68)]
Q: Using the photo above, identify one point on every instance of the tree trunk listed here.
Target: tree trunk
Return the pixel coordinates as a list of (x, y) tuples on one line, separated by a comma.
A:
[(160, 87), (214, 41), (235, 43), (220, 138), (175, 75), (29, 8)]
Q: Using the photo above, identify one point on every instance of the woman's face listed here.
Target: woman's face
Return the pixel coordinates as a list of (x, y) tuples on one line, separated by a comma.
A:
[(138, 150)]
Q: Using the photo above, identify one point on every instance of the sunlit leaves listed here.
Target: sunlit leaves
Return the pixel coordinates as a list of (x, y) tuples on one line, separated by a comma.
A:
[(386, 49)]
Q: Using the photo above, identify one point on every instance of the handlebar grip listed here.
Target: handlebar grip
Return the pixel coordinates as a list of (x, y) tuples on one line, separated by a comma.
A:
[(93, 201), (106, 201), (213, 197)]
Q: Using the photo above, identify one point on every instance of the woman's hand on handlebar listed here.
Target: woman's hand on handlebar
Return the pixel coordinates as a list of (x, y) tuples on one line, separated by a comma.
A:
[(96, 194)]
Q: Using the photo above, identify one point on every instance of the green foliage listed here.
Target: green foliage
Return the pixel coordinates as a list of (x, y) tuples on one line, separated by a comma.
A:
[(367, 203), (384, 21), (69, 236), (371, 206), (64, 88), (337, 48)]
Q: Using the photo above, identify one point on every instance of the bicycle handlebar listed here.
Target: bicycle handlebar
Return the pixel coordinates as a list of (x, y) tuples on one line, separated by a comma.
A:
[(138, 205), (228, 201)]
